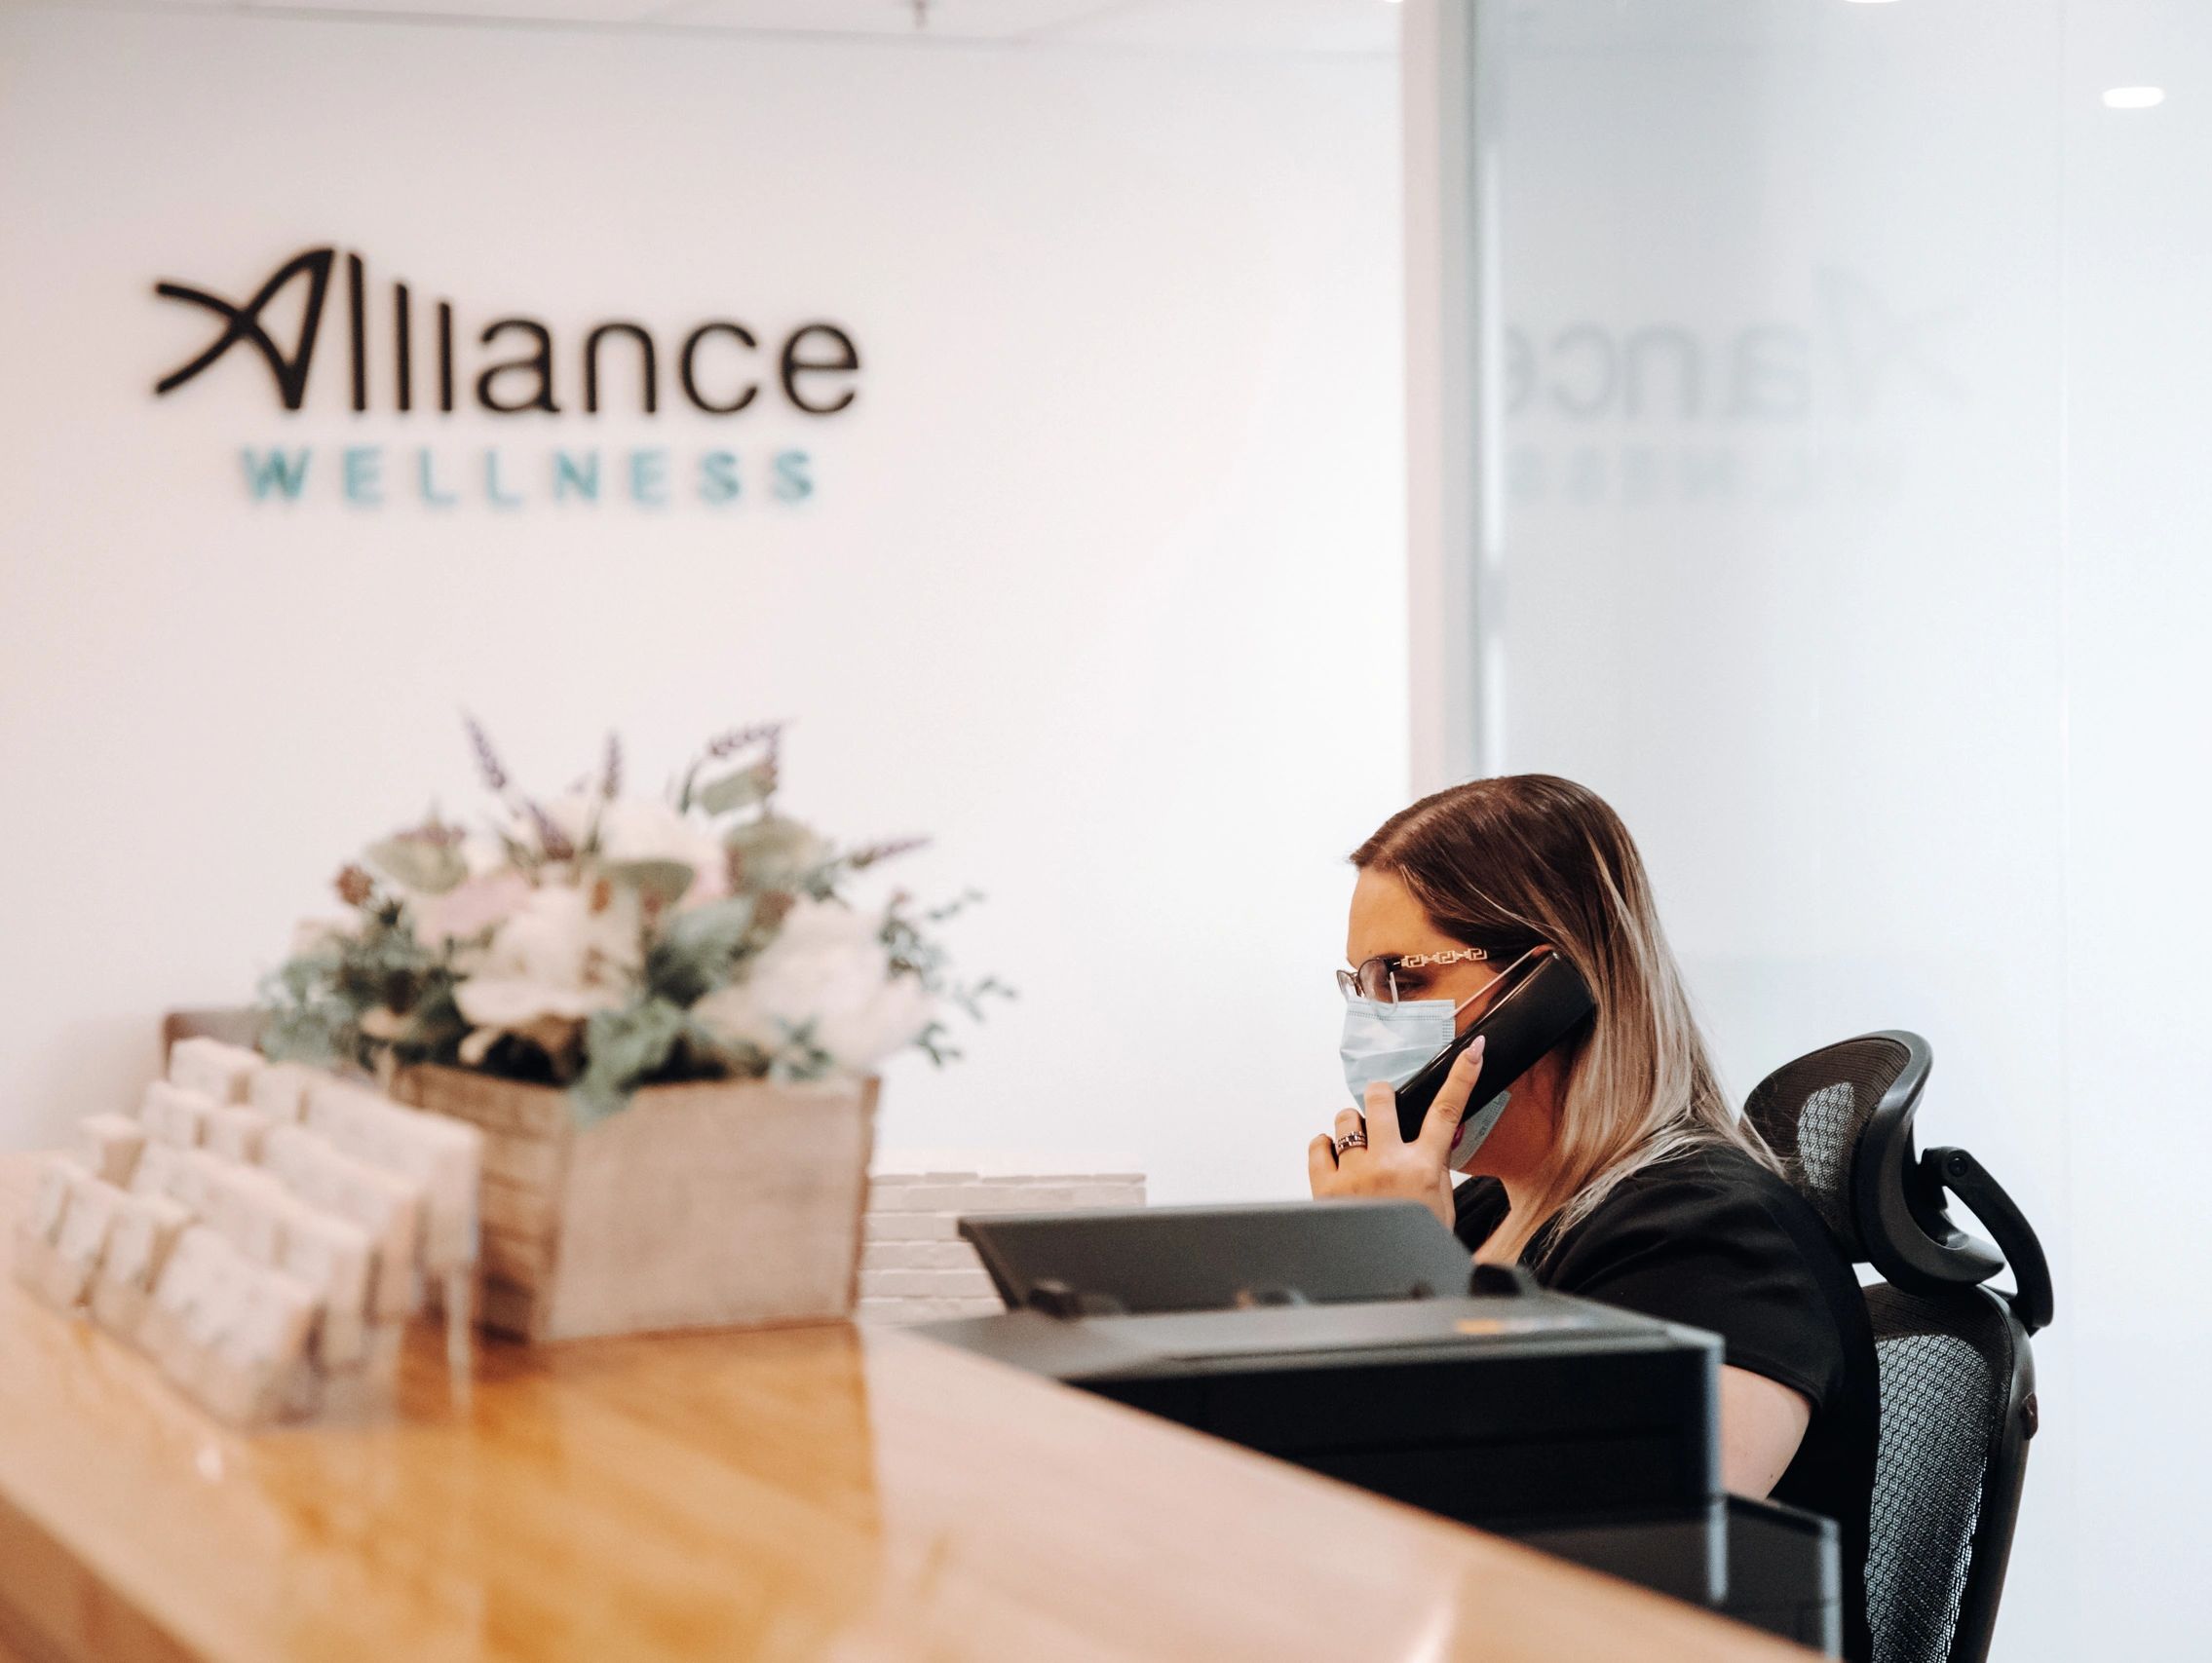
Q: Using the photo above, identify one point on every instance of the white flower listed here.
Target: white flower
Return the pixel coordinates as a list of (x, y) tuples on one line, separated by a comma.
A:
[(483, 854), (637, 828), (826, 969), (469, 907), (646, 828), (555, 957)]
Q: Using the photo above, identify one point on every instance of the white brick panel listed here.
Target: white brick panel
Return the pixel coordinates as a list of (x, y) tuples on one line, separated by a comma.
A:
[(913, 1266), (911, 1227), (919, 1256)]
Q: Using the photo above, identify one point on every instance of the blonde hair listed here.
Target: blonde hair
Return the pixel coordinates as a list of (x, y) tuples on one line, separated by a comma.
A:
[(1510, 862)]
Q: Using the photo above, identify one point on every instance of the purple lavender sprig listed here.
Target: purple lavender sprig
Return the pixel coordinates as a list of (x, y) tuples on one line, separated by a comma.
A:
[(487, 759), (610, 771), (766, 733), (737, 738), (550, 838), (552, 842), (868, 854)]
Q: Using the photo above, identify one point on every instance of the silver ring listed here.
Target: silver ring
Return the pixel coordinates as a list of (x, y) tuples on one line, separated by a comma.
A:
[(1351, 1139)]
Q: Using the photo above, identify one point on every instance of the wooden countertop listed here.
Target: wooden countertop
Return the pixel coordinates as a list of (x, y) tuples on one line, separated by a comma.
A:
[(826, 1494)]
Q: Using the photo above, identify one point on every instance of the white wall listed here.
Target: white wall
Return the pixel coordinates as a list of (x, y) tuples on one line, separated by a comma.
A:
[(1886, 642), (1101, 584)]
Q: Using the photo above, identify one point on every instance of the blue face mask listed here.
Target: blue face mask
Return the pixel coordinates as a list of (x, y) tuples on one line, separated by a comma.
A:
[(1391, 1043)]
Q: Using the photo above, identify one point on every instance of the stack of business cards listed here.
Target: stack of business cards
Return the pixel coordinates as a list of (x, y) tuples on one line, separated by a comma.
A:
[(260, 1230)]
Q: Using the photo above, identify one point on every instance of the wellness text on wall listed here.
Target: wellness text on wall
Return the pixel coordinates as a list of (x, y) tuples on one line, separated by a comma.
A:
[(403, 367)]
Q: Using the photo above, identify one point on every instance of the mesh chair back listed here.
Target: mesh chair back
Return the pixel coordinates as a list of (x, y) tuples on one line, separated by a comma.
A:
[(1811, 1112), (1958, 1383), (1947, 1480)]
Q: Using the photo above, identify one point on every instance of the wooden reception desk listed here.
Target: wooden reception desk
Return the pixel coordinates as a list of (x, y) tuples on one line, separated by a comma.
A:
[(822, 1493)]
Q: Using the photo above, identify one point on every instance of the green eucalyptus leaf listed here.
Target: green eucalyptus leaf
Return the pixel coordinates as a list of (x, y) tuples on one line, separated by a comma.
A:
[(665, 881), (595, 1096), (739, 790), (698, 948), (800, 1057), (621, 1050), (776, 852), (432, 868)]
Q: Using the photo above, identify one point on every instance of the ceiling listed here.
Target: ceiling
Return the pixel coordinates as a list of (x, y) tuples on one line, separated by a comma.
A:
[(1325, 27)]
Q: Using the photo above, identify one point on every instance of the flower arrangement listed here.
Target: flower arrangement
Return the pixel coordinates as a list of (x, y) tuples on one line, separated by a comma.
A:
[(603, 942)]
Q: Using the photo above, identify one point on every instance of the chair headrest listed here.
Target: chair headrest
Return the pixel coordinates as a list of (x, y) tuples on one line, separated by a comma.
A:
[(1841, 1121), (1811, 1112)]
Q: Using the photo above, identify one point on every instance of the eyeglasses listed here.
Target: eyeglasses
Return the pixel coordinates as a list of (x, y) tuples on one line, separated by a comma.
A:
[(1377, 978)]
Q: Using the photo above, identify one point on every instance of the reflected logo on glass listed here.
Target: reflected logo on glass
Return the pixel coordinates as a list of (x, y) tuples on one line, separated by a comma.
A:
[(1752, 392), (1589, 372)]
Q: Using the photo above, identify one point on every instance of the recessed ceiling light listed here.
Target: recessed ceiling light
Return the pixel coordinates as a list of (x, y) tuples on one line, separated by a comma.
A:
[(2133, 97)]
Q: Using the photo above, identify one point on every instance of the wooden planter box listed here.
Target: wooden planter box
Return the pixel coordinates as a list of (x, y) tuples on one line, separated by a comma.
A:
[(723, 1203)]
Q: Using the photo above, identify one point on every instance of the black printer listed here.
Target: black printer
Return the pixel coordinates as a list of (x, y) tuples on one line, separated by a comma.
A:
[(1356, 1338)]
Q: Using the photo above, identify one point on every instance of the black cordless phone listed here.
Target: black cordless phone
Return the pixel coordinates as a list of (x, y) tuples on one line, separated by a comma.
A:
[(1541, 1007)]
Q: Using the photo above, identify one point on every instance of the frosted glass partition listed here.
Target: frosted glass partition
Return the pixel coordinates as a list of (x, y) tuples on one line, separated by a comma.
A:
[(2137, 607), (1845, 372)]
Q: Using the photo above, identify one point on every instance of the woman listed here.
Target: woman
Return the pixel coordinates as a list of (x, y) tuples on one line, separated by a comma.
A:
[(1616, 1170)]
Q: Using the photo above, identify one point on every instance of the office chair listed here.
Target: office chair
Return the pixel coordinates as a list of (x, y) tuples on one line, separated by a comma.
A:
[(1957, 1379)]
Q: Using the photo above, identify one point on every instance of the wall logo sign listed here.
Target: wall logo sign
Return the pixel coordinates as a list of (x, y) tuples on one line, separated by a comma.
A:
[(404, 363)]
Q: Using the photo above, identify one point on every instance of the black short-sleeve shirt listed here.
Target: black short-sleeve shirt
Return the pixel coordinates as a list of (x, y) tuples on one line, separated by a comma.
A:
[(1712, 1239)]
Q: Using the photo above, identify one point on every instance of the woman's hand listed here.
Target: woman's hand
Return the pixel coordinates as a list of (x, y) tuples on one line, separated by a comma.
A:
[(1380, 1162)]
